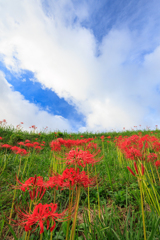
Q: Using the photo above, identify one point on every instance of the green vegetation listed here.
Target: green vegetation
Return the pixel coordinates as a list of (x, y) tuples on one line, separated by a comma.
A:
[(114, 199)]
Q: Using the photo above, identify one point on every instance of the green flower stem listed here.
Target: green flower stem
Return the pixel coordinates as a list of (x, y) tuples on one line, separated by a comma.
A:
[(152, 173), (28, 233), (75, 215), (70, 208), (51, 232), (158, 174), (89, 213), (154, 195), (108, 172), (144, 229), (99, 212), (14, 192), (25, 167), (41, 236), (5, 162)]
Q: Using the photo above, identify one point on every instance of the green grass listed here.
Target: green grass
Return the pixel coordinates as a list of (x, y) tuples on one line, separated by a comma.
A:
[(121, 216)]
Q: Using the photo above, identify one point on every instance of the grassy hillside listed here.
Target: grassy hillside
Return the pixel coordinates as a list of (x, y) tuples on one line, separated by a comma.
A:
[(108, 197)]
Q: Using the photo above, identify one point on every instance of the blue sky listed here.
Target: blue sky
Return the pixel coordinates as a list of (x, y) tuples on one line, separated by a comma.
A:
[(80, 65), (43, 97)]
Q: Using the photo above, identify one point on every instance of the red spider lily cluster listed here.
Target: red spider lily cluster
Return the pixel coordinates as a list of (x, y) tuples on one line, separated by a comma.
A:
[(135, 147), (35, 186), (72, 178), (81, 158), (56, 144), (27, 145), (33, 126), (40, 215), (18, 150), (3, 121), (80, 153), (19, 126), (15, 149)]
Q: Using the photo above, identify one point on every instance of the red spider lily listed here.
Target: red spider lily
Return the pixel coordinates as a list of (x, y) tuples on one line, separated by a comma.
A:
[(69, 143), (54, 181), (31, 183), (135, 146), (102, 137), (34, 194), (91, 145), (81, 136), (15, 149), (29, 145), (142, 169), (50, 183), (27, 141), (133, 153), (55, 146), (80, 157), (72, 177), (21, 143), (40, 215), (135, 165), (6, 146), (109, 137), (152, 157), (18, 150), (36, 143), (156, 146), (1, 138), (22, 152), (37, 147), (33, 126), (157, 163), (131, 171), (34, 185)]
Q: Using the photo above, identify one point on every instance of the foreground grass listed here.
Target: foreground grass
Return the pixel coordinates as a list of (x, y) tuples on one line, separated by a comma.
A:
[(120, 207)]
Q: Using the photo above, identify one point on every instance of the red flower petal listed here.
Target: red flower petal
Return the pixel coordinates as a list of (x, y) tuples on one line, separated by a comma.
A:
[(135, 165), (131, 171), (142, 167)]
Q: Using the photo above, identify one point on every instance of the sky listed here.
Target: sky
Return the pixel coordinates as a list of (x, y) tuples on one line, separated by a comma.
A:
[(80, 66)]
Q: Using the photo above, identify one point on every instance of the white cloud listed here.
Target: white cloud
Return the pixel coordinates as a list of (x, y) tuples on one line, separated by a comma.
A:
[(15, 109), (112, 90)]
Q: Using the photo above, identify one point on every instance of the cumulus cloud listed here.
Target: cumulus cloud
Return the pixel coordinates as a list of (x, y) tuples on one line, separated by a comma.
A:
[(112, 90)]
